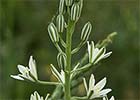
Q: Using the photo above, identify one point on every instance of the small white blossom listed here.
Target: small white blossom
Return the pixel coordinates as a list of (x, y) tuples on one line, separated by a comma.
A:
[(29, 73), (96, 54), (36, 96), (95, 91), (112, 98)]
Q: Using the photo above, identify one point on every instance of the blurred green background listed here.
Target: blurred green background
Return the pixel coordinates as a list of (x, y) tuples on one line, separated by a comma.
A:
[(23, 32)]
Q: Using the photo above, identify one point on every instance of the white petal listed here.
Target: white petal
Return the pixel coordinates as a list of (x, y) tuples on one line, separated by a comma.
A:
[(95, 53), (89, 50), (100, 85), (37, 95), (63, 76), (16, 77), (41, 98), (100, 55), (47, 97), (91, 82), (85, 84), (32, 67), (21, 69), (107, 55), (104, 98), (32, 97), (112, 98), (26, 76), (92, 52), (104, 92)]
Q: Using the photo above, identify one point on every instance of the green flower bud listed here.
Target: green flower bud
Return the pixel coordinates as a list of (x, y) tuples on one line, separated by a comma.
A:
[(75, 10), (53, 33), (86, 31), (81, 6), (61, 59), (60, 23), (69, 2), (61, 6)]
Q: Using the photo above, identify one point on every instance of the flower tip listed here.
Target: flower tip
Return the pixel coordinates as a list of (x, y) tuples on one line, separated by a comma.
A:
[(92, 42), (112, 98), (31, 57), (16, 77), (110, 90), (92, 75), (110, 52)]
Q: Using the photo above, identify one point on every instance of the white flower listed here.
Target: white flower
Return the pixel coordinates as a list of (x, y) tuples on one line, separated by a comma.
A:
[(95, 91), (60, 76), (27, 73), (112, 98), (96, 54), (36, 96)]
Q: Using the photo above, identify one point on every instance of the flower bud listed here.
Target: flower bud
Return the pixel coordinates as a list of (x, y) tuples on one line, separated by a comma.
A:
[(81, 6), (86, 31), (53, 33), (75, 10), (61, 6), (61, 59), (69, 2), (60, 23)]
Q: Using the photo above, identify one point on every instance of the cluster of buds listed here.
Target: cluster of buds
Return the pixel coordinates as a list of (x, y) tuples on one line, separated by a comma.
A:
[(55, 29)]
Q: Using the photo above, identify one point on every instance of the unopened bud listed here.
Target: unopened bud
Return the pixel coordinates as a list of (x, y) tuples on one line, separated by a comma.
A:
[(53, 33), (61, 59), (86, 31), (81, 6), (60, 23), (75, 10), (61, 6), (69, 2)]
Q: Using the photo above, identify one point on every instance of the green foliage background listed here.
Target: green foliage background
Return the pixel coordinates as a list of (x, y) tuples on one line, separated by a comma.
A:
[(23, 32)]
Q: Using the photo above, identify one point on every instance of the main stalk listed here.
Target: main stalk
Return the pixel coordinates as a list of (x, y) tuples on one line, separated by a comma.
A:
[(70, 30)]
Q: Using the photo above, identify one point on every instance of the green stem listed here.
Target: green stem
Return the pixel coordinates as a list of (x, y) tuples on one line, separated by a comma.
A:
[(79, 98), (70, 30), (47, 83), (58, 47)]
